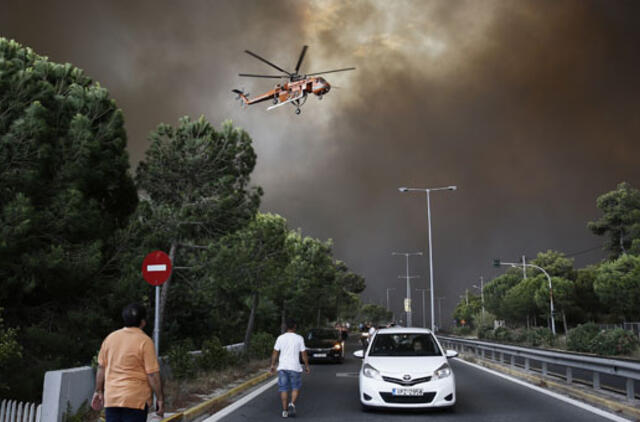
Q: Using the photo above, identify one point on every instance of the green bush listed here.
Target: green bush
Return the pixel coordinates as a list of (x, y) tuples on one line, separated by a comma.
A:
[(485, 332), (520, 335), (462, 331), (261, 345), (214, 355), (181, 361), (579, 339), (539, 336), (614, 342), (502, 334)]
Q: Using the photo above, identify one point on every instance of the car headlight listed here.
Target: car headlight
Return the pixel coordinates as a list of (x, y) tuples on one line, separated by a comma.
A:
[(370, 372), (337, 346), (442, 372)]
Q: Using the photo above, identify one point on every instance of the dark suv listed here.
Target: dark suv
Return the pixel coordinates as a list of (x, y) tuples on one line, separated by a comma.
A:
[(324, 344)]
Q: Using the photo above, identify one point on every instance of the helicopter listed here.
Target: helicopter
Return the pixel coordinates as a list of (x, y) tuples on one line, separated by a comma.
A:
[(295, 91)]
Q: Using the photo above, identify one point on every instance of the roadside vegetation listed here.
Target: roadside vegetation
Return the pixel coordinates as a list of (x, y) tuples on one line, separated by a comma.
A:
[(585, 299), (75, 225)]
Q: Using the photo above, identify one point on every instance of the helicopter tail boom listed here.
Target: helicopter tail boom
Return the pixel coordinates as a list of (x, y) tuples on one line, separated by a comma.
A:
[(241, 96)]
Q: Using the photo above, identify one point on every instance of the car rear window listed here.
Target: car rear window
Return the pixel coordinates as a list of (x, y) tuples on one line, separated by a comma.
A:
[(405, 344)]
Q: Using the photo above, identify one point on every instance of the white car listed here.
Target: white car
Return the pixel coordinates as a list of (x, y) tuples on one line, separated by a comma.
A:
[(406, 368)]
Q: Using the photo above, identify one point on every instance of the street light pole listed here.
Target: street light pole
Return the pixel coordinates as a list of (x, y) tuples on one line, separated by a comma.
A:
[(515, 264), (428, 192), (424, 311), (408, 277)]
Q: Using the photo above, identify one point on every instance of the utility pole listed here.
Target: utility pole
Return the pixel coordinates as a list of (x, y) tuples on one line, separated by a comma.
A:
[(389, 288), (524, 267), (408, 278), (424, 309), (440, 312), (481, 288)]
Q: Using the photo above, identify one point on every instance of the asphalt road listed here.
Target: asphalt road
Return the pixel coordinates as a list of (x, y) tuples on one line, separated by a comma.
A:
[(330, 393)]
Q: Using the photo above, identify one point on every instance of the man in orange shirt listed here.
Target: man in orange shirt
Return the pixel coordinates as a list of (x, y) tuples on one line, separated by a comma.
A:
[(128, 370)]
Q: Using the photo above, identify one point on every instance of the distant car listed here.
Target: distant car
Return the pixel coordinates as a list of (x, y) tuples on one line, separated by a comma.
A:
[(324, 344), (406, 368)]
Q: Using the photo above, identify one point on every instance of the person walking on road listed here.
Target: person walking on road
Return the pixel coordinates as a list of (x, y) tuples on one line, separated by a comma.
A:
[(287, 352), (128, 371)]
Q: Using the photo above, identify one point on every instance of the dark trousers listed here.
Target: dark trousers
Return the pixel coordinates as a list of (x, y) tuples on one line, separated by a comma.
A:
[(124, 414)]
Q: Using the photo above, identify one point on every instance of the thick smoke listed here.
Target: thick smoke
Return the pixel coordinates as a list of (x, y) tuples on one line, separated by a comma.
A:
[(527, 106)]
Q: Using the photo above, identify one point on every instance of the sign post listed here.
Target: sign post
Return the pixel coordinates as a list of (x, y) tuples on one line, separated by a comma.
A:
[(156, 269), (407, 305)]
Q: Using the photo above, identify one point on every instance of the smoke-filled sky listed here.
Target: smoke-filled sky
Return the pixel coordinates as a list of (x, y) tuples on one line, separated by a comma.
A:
[(530, 107)]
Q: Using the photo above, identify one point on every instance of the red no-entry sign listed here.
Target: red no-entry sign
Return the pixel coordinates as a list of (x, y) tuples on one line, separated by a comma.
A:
[(156, 268)]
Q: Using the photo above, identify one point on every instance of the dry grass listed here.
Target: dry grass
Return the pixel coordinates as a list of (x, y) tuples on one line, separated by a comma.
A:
[(182, 394)]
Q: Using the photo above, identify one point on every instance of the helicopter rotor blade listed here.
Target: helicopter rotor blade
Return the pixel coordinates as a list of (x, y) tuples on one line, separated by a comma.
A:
[(304, 50), (251, 75), (267, 62), (331, 71)]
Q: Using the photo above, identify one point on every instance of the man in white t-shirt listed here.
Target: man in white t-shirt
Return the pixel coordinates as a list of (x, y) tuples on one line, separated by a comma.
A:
[(287, 351), (372, 331)]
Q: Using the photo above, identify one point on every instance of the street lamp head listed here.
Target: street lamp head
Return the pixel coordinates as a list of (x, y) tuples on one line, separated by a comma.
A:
[(453, 187), (403, 189)]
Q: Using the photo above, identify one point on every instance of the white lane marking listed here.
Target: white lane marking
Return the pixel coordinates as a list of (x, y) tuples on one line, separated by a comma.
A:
[(347, 374), (246, 399), (576, 403), (158, 267)]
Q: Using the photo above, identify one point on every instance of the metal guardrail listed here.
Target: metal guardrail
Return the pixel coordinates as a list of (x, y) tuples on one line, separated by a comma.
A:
[(627, 369), (232, 348)]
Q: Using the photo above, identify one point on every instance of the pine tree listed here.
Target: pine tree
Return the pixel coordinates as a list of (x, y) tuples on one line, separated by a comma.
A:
[(65, 188)]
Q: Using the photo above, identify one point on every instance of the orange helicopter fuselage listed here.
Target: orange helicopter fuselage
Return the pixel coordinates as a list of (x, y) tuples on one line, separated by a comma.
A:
[(282, 92)]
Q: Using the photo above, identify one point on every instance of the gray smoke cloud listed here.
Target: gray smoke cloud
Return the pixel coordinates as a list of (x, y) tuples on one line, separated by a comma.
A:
[(527, 106)]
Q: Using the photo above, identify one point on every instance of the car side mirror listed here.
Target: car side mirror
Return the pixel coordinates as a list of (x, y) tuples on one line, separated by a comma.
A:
[(360, 354), (451, 353)]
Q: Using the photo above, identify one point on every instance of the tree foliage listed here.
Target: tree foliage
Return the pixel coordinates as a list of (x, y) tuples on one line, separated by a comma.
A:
[(620, 219), (496, 289), (65, 189), (617, 285), (469, 306), (198, 178), (374, 313)]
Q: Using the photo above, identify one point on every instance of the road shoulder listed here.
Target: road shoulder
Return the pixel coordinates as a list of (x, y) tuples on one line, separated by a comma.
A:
[(602, 403)]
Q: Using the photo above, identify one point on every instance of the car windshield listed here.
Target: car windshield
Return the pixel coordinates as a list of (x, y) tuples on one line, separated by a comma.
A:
[(405, 344), (322, 335)]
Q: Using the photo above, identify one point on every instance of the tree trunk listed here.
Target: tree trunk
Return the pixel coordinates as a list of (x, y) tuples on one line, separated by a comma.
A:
[(164, 290), (250, 324), (283, 323), (528, 322), (564, 321), (318, 319)]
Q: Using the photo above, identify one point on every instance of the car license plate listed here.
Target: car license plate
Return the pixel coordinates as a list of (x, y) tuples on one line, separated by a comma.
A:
[(319, 355), (406, 391)]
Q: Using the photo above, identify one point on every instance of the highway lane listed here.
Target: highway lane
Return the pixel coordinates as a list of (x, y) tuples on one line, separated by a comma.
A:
[(330, 393)]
